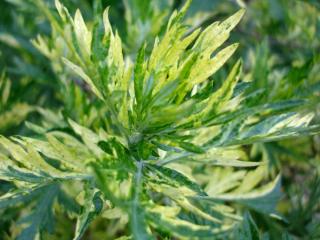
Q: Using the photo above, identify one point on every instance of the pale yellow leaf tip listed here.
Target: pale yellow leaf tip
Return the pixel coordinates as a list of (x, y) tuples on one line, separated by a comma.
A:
[(235, 18), (242, 11), (59, 8), (106, 21), (186, 6), (239, 15)]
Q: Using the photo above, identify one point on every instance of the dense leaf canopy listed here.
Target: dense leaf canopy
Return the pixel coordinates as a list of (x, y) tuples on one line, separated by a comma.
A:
[(150, 125)]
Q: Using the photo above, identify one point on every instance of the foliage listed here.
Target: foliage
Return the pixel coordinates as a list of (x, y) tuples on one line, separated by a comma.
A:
[(147, 127)]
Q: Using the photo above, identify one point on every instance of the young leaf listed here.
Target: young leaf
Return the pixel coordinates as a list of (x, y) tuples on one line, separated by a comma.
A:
[(80, 72), (84, 36), (263, 200), (92, 207)]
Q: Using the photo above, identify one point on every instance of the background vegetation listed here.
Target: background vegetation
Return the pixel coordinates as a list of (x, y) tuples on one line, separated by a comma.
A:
[(279, 43)]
